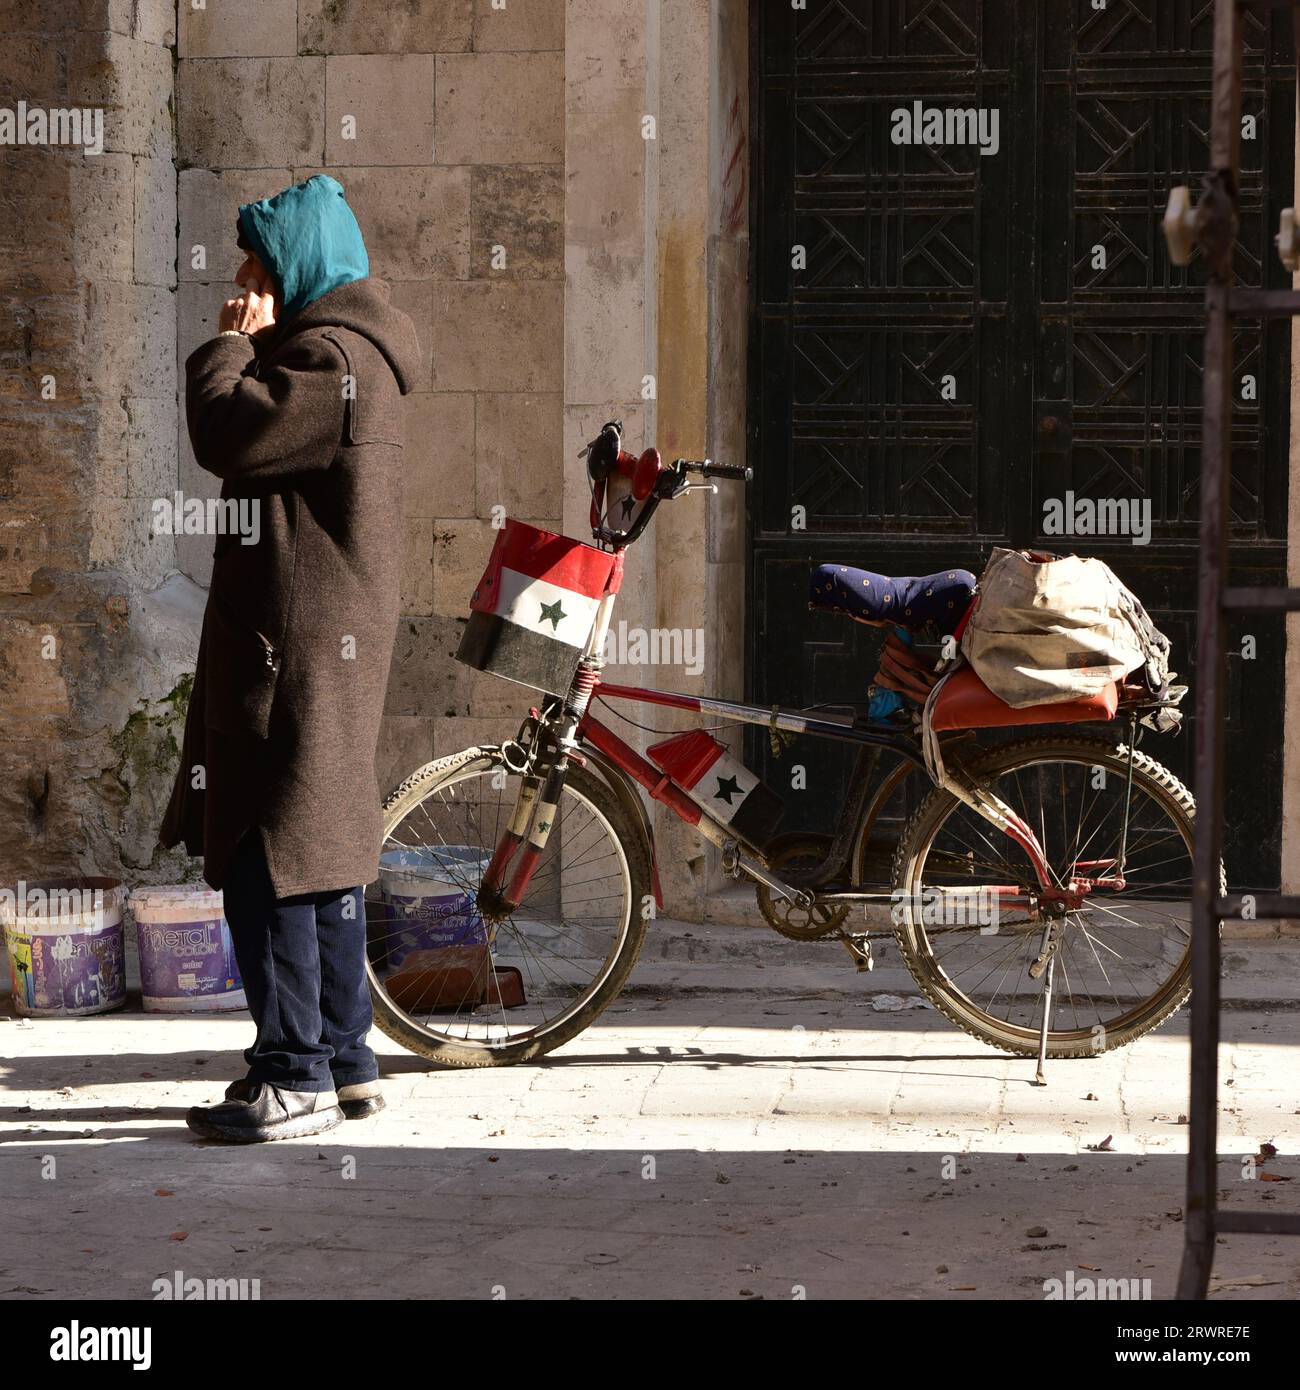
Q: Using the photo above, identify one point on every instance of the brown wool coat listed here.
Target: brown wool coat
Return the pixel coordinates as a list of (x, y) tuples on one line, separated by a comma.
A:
[(298, 632)]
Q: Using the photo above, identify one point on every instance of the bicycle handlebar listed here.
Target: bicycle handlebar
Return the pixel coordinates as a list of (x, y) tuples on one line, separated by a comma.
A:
[(708, 469), (605, 456)]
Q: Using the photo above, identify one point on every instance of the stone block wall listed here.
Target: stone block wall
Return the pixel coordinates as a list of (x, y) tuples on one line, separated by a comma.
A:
[(91, 668), (656, 226)]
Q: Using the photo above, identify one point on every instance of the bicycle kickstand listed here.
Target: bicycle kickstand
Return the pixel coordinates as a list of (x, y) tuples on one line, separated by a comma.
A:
[(1040, 1078)]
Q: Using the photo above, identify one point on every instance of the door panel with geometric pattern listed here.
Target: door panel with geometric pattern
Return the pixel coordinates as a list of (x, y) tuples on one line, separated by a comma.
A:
[(965, 337)]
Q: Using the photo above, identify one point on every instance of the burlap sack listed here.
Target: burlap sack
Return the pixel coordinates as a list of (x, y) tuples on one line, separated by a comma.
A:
[(1047, 630)]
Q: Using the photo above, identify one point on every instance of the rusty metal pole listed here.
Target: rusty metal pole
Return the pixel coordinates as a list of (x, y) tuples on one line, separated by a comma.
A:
[(1217, 228)]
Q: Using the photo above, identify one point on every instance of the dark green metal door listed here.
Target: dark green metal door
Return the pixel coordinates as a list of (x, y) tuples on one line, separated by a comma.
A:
[(967, 340)]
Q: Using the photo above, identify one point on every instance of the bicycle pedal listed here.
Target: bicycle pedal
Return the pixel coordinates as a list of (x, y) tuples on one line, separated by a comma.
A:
[(859, 947)]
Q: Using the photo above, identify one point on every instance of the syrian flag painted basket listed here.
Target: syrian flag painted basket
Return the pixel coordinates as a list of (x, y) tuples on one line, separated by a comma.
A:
[(534, 609)]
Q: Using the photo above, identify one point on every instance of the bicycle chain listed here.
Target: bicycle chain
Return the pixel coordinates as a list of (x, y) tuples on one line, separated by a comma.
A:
[(891, 934)]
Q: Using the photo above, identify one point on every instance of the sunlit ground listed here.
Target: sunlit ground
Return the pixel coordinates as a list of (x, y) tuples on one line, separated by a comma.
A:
[(709, 1146)]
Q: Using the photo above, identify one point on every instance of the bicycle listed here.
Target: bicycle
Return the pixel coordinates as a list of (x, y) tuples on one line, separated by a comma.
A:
[(1039, 895)]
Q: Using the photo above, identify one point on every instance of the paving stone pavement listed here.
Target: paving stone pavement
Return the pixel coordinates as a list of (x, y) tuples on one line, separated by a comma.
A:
[(699, 1142)]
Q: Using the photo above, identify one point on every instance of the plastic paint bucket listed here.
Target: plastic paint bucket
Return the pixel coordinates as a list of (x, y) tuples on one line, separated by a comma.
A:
[(428, 898), (187, 959), (65, 945)]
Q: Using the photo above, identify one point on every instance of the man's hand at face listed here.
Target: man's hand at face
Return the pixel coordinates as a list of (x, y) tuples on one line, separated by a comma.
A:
[(256, 307), (247, 314)]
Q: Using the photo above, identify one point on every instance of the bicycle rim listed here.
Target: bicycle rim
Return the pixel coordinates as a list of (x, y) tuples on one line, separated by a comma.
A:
[(1121, 964), (453, 978)]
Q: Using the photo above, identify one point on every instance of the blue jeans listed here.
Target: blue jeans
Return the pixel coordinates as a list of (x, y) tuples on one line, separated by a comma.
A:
[(303, 960)]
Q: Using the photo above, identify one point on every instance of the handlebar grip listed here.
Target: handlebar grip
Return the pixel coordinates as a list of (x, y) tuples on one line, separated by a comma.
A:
[(709, 469)]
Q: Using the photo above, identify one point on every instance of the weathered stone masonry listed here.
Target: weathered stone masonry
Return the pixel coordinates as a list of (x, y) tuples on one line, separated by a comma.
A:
[(92, 665)]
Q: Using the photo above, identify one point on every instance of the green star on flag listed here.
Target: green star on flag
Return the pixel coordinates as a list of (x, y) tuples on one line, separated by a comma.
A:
[(552, 613)]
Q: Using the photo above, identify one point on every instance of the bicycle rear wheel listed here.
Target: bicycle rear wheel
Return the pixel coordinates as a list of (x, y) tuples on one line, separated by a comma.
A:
[(468, 992), (1122, 965)]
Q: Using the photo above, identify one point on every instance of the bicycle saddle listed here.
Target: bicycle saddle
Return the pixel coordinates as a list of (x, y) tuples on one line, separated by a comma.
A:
[(911, 602)]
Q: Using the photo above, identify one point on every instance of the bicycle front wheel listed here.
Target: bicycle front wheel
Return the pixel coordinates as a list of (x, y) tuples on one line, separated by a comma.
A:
[(466, 991), (1122, 954)]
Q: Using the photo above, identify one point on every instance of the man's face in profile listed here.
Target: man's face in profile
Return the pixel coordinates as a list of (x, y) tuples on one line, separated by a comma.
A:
[(253, 275), (258, 306)]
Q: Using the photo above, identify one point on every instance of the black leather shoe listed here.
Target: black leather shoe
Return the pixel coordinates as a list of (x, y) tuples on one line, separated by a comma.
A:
[(268, 1112), (360, 1099), (357, 1101)]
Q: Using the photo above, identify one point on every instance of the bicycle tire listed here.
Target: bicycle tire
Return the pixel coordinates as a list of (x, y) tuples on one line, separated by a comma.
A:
[(1164, 1002), (395, 1024)]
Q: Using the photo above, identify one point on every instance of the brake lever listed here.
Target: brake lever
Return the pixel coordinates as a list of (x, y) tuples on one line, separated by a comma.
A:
[(672, 482)]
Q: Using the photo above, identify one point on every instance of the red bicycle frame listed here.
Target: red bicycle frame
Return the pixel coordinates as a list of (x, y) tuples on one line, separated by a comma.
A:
[(539, 795), (573, 727)]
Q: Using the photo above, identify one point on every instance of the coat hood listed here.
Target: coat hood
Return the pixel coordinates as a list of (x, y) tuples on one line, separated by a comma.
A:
[(362, 306), (308, 238)]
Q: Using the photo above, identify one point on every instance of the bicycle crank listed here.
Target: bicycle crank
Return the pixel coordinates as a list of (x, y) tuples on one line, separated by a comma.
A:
[(799, 857)]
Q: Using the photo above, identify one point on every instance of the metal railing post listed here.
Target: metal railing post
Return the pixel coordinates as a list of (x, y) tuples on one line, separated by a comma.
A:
[(1213, 227)]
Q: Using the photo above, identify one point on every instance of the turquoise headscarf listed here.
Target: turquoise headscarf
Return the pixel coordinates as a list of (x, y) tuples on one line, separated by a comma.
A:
[(308, 238)]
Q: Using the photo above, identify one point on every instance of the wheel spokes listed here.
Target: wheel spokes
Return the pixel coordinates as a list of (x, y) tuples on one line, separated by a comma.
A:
[(457, 976), (1118, 948)]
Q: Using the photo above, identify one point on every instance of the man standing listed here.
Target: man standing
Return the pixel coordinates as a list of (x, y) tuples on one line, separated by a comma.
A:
[(296, 407)]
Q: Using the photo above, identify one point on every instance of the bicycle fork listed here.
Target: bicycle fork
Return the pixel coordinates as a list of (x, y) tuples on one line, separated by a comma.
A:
[(537, 804), (506, 881)]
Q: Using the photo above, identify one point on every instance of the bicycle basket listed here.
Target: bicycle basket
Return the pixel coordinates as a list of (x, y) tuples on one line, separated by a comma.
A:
[(533, 611)]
